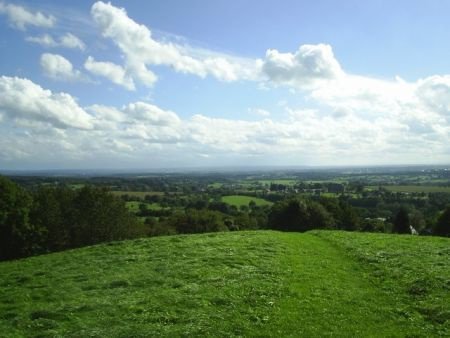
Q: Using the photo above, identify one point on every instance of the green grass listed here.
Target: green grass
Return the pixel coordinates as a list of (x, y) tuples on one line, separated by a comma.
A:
[(260, 283), (239, 200), (415, 188), (133, 206), (138, 194)]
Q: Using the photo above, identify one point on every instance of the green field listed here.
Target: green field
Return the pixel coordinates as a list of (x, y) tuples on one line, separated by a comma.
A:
[(415, 188), (239, 200), (215, 185), (279, 181), (133, 206), (260, 283), (138, 194)]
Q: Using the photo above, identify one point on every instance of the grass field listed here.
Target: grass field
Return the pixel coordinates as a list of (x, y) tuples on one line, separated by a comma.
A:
[(260, 283), (215, 185), (133, 206), (239, 200), (138, 194), (415, 188)]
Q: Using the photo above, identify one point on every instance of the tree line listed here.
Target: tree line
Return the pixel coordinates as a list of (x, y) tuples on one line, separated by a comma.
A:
[(54, 218), (57, 218)]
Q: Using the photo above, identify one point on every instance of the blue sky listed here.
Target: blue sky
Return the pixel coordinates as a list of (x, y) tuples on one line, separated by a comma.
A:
[(153, 84)]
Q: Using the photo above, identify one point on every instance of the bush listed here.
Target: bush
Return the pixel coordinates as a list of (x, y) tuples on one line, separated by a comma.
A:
[(299, 215), (196, 221)]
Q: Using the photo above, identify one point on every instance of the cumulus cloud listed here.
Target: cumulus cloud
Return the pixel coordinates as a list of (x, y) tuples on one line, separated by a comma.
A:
[(304, 68), (23, 100), (20, 17), (142, 50), (59, 68), (141, 130), (150, 113), (67, 40), (111, 71)]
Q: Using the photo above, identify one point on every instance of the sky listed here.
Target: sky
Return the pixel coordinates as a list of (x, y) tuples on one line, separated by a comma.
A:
[(173, 84)]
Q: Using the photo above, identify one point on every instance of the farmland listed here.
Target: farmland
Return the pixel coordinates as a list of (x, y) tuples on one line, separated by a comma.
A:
[(417, 188), (239, 200)]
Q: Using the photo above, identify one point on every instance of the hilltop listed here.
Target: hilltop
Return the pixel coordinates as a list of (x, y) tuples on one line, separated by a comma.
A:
[(237, 283)]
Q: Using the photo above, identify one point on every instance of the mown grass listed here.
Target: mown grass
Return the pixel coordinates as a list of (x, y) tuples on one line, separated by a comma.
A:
[(414, 271), (240, 200), (260, 283), (212, 284)]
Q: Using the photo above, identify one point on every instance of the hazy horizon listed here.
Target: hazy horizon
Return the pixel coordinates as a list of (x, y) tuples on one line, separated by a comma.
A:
[(189, 85)]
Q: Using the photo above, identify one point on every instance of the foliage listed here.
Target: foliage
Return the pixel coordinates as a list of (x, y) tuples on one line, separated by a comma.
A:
[(299, 215), (18, 236), (401, 222), (196, 221), (58, 218), (442, 227)]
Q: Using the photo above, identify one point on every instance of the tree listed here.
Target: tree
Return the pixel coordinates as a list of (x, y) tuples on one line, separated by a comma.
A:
[(319, 217), (299, 215), (348, 218), (442, 227), (289, 215), (99, 216), (197, 221), (53, 211), (401, 222), (18, 237)]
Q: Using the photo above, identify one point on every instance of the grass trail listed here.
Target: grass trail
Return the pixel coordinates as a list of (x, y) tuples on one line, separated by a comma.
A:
[(331, 295)]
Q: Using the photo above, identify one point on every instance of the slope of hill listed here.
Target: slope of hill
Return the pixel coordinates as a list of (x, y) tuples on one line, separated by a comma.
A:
[(262, 283)]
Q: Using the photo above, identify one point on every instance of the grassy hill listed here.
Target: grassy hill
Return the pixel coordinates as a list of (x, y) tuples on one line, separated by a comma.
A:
[(260, 283)]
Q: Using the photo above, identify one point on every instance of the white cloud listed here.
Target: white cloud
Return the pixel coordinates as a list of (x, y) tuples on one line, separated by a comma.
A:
[(59, 68), (23, 100), (45, 40), (304, 69), (111, 71), (152, 114), (21, 17), (142, 50), (140, 131), (67, 40)]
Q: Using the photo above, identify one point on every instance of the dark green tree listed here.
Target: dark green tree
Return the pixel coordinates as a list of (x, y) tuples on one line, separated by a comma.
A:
[(442, 227), (197, 221), (289, 215), (53, 211), (401, 222), (18, 237)]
